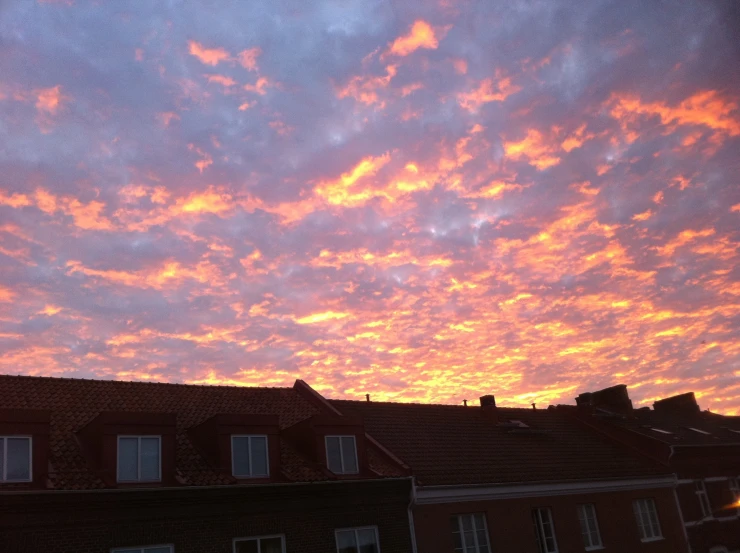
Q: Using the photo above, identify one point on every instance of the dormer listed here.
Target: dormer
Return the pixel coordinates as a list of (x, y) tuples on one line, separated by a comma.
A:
[(335, 442), (246, 447), (24, 448), (131, 449)]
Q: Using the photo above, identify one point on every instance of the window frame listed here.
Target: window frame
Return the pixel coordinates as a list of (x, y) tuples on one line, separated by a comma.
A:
[(249, 442), (459, 519), (599, 544), (4, 460), (734, 484), (341, 451), (143, 548), (257, 539), (700, 489), (539, 528), (645, 515), (355, 529), (138, 459)]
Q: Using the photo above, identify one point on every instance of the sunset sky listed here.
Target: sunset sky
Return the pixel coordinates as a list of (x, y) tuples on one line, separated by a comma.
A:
[(424, 201)]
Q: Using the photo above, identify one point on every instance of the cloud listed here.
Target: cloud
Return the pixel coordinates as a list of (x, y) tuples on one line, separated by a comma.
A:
[(421, 35), (487, 91), (248, 58), (208, 56)]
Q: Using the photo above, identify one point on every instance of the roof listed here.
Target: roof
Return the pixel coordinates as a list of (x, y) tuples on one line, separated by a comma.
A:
[(676, 428), (73, 403), (455, 445)]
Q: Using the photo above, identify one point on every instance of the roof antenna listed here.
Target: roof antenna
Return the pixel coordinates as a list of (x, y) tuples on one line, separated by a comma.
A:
[(465, 402), (367, 397), (534, 406)]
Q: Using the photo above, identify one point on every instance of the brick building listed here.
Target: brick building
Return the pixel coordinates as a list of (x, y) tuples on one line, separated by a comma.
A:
[(99, 466), (523, 480), (701, 448)]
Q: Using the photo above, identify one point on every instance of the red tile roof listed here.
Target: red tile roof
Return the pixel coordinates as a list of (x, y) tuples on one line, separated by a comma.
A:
[(75, 402), (448, 445)]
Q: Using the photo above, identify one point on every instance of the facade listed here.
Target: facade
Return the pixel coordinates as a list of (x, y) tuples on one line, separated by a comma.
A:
[(523, 480), (98, 466), (701, 448)]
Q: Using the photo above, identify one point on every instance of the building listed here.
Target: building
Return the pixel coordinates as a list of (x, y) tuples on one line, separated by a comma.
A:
[(523, 480), (702, 448), (99, 466)]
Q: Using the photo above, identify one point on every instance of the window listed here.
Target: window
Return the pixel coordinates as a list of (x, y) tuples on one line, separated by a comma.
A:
[(249, 457), (15, 459), (147, 549), (341, 454), (701, 494), (647, 519), (358, 540), (718, 549), (262, 544), (139, 459), (469, 533), (589, 527), (544, 530), (735, 491)]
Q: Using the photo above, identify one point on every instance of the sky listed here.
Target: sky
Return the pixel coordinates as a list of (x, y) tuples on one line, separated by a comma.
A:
[(423, 201)]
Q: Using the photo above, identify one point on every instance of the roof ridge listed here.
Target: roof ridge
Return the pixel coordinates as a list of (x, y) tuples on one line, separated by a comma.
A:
[(117, 382), (413, 403)]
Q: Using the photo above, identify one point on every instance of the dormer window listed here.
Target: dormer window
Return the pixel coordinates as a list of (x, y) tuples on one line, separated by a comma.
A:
[(139, 459), (341, 454), (15, 458), (249, 457)]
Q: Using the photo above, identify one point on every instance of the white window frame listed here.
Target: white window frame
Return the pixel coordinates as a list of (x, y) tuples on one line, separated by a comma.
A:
[(257, 539), (475, 531), (540, 526), (341, 451), (138, 458), (267, 456), (700, 490), (143, 548), (641, 508), (357, 538), (583, 518), (3, 474)]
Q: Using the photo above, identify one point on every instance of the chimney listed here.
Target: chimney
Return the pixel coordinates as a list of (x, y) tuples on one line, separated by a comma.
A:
[(682, 403), (488, 406), (615, 399)]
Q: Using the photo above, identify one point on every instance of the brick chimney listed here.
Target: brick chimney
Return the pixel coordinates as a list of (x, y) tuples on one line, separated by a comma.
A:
[(682, 403), (615, 399), (488, 406)]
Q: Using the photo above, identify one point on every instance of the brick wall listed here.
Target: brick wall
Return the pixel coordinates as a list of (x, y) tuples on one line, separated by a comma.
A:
[(510, 524), (724, 526), (204, 520)]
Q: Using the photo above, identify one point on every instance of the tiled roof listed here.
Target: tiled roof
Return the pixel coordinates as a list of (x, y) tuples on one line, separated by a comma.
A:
[(448, 445), (702, 428), (75, 402)]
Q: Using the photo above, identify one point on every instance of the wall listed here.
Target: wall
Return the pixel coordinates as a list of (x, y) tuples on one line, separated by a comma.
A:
[(204, 520), (723, 528), (510, 524)]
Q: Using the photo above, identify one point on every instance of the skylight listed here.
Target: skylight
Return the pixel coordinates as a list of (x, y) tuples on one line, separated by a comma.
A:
[(700, 431), (660, 430)]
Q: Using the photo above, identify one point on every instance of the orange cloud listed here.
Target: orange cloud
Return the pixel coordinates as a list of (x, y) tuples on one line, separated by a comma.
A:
[(208, 56), (364, 88), (534, 149), (576, 139), (49, 100), (421, 35), (706, 108), (487, 92), (248, 58), (206, 159), (167, 117), (340, 191), (212, 200), (223, 80), (460, 65), (322, 317), (683, 238), (259, 86)]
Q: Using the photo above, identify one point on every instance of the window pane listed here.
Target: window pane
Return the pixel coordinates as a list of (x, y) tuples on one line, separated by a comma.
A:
[(259, 457), (149, 459), (128, 459), (346, 539), (271, 545), (246, 546), (240, 452), (2, 457), (18, 459), (482, 538), (333, 455), (350, 454), (655, 526), (367, 541)]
